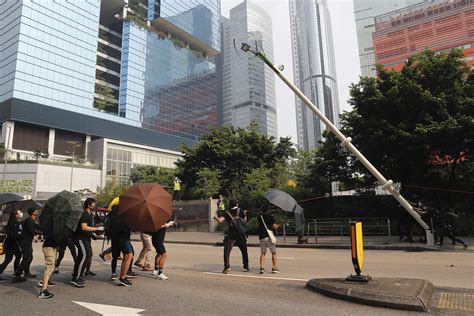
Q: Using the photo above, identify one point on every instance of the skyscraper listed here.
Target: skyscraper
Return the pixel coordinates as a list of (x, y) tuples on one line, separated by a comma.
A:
[(314, 68), (365, 11), (116, 83), (247, 85)]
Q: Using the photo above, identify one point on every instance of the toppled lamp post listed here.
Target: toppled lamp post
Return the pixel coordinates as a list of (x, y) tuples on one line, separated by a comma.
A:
[(346, 142)]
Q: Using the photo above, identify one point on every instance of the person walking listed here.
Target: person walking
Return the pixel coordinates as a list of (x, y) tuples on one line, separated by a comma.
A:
[(449, 222), (30, 229), (177, 189), (50, 248), (14, 231), (69, 243), (267, 222), (157, 239), (144, 258), (82, 240), (237, 235)]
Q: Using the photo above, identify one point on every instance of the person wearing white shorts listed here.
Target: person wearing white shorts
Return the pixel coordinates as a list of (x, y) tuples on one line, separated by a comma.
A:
[(266, 220)]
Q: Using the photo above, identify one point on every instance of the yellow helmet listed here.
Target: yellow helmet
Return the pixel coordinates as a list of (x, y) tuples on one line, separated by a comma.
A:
[(114, 202)]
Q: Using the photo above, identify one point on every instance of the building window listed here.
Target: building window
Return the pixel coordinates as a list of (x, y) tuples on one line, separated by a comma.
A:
[(67, 143), (31, 138)]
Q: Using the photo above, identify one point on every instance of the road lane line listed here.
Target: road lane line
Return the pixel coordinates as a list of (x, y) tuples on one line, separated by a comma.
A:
[(286, 258), (255, 277)]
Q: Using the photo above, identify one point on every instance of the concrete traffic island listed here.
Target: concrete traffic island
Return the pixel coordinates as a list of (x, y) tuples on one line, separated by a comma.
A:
[(399, 293)]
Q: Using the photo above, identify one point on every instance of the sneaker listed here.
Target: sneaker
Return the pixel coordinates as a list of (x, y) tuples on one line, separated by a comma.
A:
[(124, 282), (90, 274), (155, 273), (131, 274), (262, 271), (18, 279), (225, 271), (50, 283), (137, 264), (2, 279), (113, 277), (162, 276), (466, 245), (30, 276), (245, 269), (77, 283), (275, 270), (45, 294), (56, 271), (101, 255)]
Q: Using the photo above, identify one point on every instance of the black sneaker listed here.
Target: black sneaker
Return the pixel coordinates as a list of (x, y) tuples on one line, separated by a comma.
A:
[(101, 255), (90, 274), (30, 276), (132, 274), (18, 279), (50, 283), (77, 283), (124, 282), (113, 277), (226, 270), (245, 269), (56, 271), (45, 294), (2, 279)]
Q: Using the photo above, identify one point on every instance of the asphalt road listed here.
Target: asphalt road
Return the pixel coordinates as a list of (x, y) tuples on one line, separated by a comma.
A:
[(196, 287)]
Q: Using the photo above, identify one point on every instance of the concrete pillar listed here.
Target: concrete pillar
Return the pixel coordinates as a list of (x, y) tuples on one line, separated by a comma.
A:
[(8, 129), (51, 139), (86, 150)]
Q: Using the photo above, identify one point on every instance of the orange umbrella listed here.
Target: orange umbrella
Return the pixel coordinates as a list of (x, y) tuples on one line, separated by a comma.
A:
[(145, 207)]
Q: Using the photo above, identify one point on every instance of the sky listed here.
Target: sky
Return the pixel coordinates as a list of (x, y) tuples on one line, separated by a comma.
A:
[(345, 47)]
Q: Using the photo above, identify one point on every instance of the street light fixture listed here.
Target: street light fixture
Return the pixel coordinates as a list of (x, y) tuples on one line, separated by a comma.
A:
[(74, 145)]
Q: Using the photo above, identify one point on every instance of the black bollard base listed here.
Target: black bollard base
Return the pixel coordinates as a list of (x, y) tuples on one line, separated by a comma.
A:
[(358, 278)]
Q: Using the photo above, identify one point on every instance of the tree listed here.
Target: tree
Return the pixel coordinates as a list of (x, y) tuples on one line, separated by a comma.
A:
[(234, 153), (163, 176), (110, 191), (207, 183), (404, 122)]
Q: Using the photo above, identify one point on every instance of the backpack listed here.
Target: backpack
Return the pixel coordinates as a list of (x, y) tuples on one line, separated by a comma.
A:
[(239, 226)]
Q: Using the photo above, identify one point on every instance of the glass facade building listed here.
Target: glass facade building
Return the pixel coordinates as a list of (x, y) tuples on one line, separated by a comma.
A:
[(314, 68), (138, 71), (365, 11), (247, 85)]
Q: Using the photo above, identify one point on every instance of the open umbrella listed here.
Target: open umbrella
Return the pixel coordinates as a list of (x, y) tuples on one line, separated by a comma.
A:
[(145, 207), (61, 214), (22, 205), (287, 203), (9, 197)]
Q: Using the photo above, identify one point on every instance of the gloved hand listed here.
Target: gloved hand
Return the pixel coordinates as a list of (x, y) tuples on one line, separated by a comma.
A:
[(100, 229), (169, 224)]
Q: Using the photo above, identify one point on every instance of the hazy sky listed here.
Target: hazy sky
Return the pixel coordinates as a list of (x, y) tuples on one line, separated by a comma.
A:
[(345, 47)]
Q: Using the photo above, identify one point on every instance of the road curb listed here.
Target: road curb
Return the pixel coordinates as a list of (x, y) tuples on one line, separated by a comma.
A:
[(384, 292)]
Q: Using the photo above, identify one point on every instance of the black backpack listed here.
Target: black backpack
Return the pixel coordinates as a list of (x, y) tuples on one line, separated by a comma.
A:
[(239, 226)]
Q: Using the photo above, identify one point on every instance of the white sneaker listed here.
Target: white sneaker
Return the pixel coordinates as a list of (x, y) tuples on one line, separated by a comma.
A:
[(155, 273), (162, 277)]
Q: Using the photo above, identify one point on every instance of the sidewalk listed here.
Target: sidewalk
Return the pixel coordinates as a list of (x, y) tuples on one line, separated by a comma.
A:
[(370, 242)]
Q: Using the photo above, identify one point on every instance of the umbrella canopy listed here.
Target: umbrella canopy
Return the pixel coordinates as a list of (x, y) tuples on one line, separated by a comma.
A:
[(61, 214), (283, 200), (9, 197), (23, 205), (145, 207)]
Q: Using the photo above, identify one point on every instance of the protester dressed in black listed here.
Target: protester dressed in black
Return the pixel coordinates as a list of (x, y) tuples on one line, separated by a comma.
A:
[(82, 239), (30, 229), (14, 230)]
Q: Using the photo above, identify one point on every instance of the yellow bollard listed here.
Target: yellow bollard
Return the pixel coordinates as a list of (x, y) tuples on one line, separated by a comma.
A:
[(357, 254)]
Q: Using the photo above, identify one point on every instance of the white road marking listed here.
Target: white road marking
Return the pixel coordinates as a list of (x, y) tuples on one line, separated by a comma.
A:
[(110, 309), (255, 277), (286, 258)]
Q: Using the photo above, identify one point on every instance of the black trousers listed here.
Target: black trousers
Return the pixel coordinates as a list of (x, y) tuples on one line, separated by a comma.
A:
[(62, 250), (229, 244), (27, 251), (11, 249), (84, 254)]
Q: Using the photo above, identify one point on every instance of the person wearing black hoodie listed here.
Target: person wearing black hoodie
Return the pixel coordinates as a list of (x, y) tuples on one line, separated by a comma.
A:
[(31, 228), (11, 244)]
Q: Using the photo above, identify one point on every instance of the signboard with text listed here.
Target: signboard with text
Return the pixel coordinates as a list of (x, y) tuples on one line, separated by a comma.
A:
[(16, 186)]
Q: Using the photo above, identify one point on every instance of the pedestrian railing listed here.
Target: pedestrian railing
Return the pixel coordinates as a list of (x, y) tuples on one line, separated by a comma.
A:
[(337, 230)]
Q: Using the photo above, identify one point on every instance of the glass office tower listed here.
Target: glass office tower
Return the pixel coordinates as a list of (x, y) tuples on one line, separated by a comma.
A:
[(140, 72), (314, 68)]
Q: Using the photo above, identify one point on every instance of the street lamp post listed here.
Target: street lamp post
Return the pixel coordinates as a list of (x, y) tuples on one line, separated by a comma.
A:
[(74, 145), (345, 142)]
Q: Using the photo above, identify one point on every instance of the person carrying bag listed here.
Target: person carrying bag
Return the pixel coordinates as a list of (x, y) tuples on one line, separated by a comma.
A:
[(267, 238)]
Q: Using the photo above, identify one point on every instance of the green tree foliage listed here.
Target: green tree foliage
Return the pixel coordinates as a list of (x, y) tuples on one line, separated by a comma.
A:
[(207, 183), (110, 191), (404, 122), (163, 176), (234, 153)]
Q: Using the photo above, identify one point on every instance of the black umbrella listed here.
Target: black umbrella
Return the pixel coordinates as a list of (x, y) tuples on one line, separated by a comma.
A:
[(9, 197), (287, 203), (60, 215), (23, 206)]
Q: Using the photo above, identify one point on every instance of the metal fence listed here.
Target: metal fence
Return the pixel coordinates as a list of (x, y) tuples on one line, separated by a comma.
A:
[(337, 230)]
